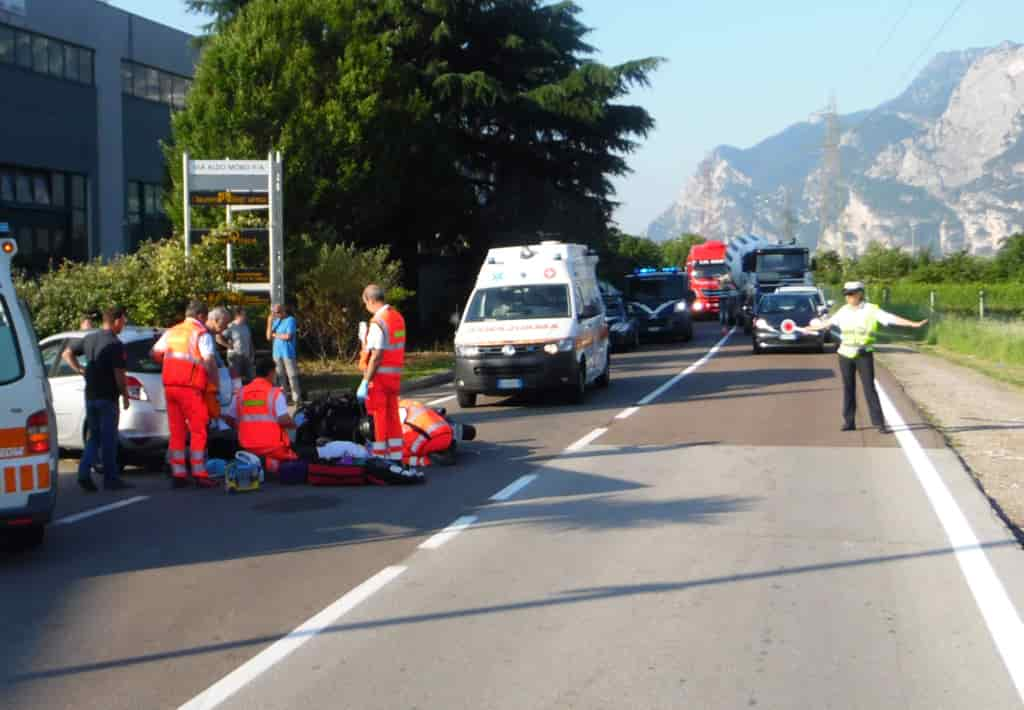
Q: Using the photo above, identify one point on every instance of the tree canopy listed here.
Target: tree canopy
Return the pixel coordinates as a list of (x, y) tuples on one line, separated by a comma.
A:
[(421, 123)]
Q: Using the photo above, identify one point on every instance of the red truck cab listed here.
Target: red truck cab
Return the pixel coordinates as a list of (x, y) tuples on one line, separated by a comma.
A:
[(704, 267)]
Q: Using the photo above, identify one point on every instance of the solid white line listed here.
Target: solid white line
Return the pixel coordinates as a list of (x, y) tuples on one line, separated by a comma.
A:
[(1004, 623), (69, 519), (436, 402), (277, 651), (514, 487), (586, 440), (675, 380), (460, 524), (627, 413)]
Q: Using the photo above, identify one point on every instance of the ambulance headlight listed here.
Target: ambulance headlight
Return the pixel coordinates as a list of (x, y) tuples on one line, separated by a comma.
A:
[(467, 351), (681, 306), (562, 346)]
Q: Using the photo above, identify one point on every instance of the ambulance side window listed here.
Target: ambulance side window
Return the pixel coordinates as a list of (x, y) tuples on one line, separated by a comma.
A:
[(12, 367)]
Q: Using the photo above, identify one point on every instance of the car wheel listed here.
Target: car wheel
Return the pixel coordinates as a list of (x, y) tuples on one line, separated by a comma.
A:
[(821, 347), (29, 537), (578, 391), (757, 348), (748, 327), (606, 377), (467, 400)]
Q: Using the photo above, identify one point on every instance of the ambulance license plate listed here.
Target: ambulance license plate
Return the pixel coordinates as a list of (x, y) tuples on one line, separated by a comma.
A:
[(510, 384), (788, 336)]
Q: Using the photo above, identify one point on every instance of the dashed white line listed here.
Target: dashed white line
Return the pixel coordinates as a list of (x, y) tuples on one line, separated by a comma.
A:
[(69, 519), (627, 413), (460, 524), (586, 440), (685, 373), (279, 650), (1002, 618), (514, 487), (436, 402)]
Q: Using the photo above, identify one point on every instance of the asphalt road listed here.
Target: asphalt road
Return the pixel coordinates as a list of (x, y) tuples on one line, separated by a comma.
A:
[(722, 546)]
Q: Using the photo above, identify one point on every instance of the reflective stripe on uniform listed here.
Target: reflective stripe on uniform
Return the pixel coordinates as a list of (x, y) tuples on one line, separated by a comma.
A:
[(389, 370), (181, 356), (250, 418)]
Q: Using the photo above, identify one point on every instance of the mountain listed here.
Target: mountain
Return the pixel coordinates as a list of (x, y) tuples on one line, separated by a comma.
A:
[(939, 167)]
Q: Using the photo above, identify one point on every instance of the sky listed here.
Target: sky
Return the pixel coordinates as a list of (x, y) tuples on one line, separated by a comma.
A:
[(739, 71)]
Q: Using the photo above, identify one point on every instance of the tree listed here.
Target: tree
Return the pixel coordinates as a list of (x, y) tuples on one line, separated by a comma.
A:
[(222, 12), (422, 123), (1009, 262), (828, 268), (675, 251)]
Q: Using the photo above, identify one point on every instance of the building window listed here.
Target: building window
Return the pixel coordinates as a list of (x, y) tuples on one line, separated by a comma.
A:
[(48, 212), (153, 84), (45, 55), (144, 208)]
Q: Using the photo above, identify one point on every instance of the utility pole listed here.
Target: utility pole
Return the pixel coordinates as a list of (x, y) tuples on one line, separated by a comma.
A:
[(831, 178)]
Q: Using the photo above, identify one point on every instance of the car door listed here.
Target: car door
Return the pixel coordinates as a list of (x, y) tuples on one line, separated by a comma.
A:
[(68, 395)]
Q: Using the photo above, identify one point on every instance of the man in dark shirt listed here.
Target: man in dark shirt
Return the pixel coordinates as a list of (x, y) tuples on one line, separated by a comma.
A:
[(106, 359)]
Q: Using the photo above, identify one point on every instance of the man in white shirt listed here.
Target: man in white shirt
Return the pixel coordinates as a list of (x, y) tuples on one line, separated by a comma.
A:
[(858, 323)]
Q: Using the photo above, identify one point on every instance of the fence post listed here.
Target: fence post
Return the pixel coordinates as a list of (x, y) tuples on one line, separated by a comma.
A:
[(885, 296), (981, 304), (931, 304)]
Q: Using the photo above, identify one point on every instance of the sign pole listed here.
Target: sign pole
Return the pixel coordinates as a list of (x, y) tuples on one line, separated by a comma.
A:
[(187, 206), (276, 224)]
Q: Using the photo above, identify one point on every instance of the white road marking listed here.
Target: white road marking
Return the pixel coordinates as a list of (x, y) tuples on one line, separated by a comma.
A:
[(587, 440), (69, 519), (685, 373), (514, 487), (279, 650), (460, 524), (627, 413), (436, 402), (1004, 623)]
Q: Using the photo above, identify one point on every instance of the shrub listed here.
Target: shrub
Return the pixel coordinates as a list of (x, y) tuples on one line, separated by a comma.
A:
[(153, 284), (329, 293)]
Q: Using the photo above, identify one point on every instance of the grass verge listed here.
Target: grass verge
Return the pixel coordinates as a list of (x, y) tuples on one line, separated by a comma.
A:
[(322, 376)]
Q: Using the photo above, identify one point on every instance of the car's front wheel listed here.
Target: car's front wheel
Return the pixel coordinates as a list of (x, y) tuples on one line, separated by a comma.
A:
[(578, 391), (467, 400)]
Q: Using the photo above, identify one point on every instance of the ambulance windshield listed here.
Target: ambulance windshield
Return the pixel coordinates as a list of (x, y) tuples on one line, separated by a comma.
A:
[(519, 303)]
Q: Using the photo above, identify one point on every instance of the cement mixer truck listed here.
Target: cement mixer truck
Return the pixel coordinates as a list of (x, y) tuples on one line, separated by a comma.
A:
[(759, 266)]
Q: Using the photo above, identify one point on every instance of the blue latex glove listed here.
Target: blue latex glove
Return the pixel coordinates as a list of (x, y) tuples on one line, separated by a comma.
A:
[(362, 391)]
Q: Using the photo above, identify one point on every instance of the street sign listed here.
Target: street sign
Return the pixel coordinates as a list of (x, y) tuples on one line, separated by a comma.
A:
[(248, 276), (228, 198), (236, 237), (229, 167)]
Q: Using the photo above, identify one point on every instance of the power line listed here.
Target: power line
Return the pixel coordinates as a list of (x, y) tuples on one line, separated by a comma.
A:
[(892, 30), (928, 46)]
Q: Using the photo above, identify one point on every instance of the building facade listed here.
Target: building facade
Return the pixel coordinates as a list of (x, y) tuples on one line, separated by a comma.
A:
[(86, 96)]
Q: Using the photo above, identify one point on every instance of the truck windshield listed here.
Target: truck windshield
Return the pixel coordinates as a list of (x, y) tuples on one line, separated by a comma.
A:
[(658, 290), (519, 303), (709, 271), (12, 368), (782, 261)]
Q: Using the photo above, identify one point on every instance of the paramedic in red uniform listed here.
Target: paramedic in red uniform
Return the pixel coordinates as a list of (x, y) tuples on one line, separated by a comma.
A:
[(425, 432), (187, 354), (382, 360), (263, 418)]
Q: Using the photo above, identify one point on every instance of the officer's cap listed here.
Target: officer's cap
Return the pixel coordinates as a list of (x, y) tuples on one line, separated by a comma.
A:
[(853, 287)]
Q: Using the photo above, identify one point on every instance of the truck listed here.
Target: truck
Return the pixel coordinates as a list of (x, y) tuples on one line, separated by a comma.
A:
[(705, 267), (759, 266)]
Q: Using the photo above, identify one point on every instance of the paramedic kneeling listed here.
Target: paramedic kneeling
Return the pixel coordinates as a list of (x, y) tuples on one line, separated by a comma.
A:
[(858, 323), (263, 418), (425, 433), (382, 360)]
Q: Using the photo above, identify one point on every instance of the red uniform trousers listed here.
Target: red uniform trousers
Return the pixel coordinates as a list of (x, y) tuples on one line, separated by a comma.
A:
[(187, 414), (382, 405), (418, 446)]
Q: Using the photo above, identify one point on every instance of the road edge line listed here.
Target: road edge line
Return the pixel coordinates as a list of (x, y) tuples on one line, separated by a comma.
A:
[(85, 514), (1000, 615), (279, 650)]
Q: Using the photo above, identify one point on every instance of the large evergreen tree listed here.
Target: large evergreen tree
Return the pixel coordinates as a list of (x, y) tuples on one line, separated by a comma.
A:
[(447, 122)]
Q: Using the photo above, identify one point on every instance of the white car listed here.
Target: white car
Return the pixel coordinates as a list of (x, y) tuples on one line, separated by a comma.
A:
[(143, 427)]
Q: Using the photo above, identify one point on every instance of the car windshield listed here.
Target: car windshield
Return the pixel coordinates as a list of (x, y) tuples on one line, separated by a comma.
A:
[(12, 368), (786, 303), (784, 261), (710, 271), (649, 289), (519, 303), (138, 356)]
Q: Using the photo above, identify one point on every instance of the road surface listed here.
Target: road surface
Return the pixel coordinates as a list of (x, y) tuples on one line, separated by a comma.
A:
[(721, 546)]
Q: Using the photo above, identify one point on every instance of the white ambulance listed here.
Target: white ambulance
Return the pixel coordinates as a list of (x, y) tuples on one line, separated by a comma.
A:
[(28, 428), (535, 322)]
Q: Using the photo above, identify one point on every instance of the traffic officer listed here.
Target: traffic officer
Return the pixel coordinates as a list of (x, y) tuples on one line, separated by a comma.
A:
[(425, 432), (263, 417), (382, 360), (189, 364), (858, 323)]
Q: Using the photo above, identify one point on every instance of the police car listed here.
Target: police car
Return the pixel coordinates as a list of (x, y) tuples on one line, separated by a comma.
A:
[(28, 426), (660, 300)]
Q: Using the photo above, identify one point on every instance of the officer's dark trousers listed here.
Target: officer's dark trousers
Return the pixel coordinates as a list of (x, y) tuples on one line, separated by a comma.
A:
[(864, 367)]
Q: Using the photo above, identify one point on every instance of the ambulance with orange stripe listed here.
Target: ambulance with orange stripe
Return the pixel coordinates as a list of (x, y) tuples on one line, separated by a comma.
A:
[(535, 322), (28, 441)]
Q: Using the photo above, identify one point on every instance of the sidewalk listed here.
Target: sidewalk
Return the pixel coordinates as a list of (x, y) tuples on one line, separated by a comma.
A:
[(982, 418)]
